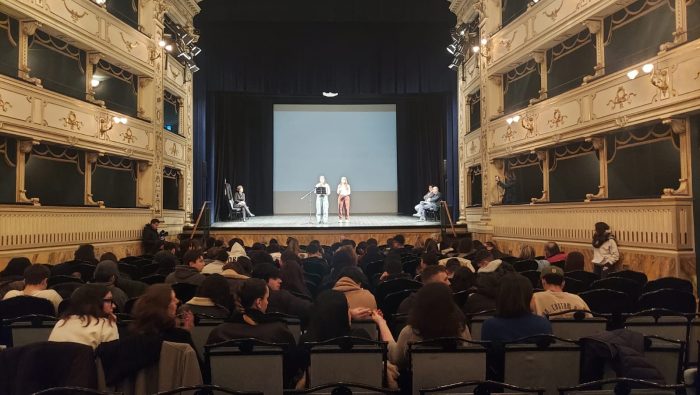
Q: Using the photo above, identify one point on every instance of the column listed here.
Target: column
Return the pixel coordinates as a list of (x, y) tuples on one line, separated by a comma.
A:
[(26, 28), (543, 157), (24, 147), (601, 145), (595, 26), (680, 127), (90, 160)]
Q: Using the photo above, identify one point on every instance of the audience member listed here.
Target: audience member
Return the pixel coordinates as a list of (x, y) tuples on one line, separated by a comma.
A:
[(35, 284), (393, 268), (431, 274), (86, 253), (89, 318), (488, 285), (427, 259), (514, 320), (528, 253), (492, 247), (166, 261), (553, 254), (217, 265), (431, 247), (237, 249), (189, 271), (574, 261), (331, 317), (108, 256), (213, 298), (350, 284), (281, 300), (485, 261), (156, 313), (293, 246), (293, 278), (107, 273), (553, 299), (398, 244), (605, 252), (15, 268), (462, 279), (150, 238), (433, 315)]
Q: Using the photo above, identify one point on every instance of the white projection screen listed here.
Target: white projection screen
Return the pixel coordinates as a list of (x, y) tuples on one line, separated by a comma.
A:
[(355, 141)]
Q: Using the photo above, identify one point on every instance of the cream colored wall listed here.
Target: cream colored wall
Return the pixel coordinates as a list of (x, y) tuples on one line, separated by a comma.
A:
[(34, 115), (655, 235)]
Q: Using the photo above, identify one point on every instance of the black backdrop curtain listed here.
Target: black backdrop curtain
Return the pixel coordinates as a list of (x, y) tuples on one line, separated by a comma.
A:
[(252, 58), (242, 130)]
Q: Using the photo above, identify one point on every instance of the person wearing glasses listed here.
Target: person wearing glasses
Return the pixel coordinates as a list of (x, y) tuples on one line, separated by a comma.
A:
[(89, 318)]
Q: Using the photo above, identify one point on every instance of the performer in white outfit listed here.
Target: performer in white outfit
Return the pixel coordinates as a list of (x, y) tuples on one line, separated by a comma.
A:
[(322, 200), (343, 192)]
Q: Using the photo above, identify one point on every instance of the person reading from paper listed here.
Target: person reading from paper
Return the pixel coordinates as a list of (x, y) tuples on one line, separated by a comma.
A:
[(343, 192), (426, 197), (322, 191)]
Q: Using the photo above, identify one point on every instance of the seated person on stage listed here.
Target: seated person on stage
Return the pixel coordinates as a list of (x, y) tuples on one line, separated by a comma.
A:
[(239, 201), (553, 299), (431, 203), (35, 284), (425, 198)]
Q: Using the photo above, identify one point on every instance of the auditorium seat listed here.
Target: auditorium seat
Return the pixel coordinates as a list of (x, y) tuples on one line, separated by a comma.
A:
[(153, 279), (129, 305), (86, 271), (608, 301), (130, 270), (293, 323), (574, 286), (60, 279), (390, 304), (368, 325), (476, 321), (678, 284), (666, 324), (428, 361), (373, 268), (630, 287), (667, 355), (200, 333), (25, 305), (362, 360), (670, 299), (66, 289), (525, 265), (344, 389), (587, 278), (621, 386), (549, 364), (638, 277), (184, 291), (578, 326), (28, 329), (207, 389), (482, 387), (391, 286), (535, 278), (257, 365)]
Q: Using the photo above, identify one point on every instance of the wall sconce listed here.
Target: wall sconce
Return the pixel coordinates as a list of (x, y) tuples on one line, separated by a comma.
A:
[(646, 69), (94, 82), (514, 118), (101, 3)]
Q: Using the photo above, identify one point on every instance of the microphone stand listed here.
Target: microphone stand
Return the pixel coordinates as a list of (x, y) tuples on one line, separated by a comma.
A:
[(310, 222)]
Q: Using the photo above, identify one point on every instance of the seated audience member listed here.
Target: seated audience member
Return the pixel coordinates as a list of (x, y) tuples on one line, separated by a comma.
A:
[(350, 284), (108, 256), (314, 262), (462, 279), (431, 247), (293, 246), (485, 261), (431, 274), (281, 300), (574, 261), (89, 318), (553, 254), (15, 268), (189, 271), (213, 298), (433, 315), (492, 247), (331, 317), (170, 247), (156, 313), (35, 284), (166, 261), (528, 253), (217, 265), (553, 299), (372, 254), (254, 323), (260, 256), (107, 273), (487, 287), (399, 242), (427, 259), (132, 288), (514, 320), (293, 277), (86, 253), (237, 249), (393, 268)]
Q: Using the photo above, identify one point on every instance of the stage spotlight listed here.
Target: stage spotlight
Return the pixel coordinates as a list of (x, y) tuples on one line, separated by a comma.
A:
[(194, 68), (452, 48), (184, 55), (169, 47), (195, 51)]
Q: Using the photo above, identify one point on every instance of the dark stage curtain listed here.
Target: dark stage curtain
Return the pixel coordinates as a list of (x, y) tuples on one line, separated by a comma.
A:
[(241, 127)]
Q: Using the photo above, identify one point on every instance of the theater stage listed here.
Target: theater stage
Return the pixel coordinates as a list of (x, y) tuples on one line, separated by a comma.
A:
[(360, 227)]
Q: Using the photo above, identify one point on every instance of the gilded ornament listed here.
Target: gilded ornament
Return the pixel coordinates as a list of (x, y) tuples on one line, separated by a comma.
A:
[(509, 134), (129, 44), (557, 119), (173, 150), (621, 98), (553, 14), (74, 15), (4, 104), (72, 121), (128, 136)]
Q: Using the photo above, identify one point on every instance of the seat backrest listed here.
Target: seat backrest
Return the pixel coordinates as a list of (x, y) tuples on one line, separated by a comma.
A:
[(607, 301), (374, 267), (428, 362), (368, 325), (25, 305), (293, 323), (200, 333), (246, 365), (679, 284), (669, 327), (632, 288), (59, 279), (671, 299), (66, 289), (130, 269), (184, 291), (534, 277), (556, 365), (392, 286), (362, 363), (570, 328), (574, 286), (635, 276), (153, 279), (667, 356), (390, 304), (693, 339), (28, 329), (525, 265), (587, 278)]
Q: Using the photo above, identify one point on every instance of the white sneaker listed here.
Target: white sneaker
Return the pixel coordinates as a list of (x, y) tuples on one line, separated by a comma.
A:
[(421, 220), (416, 215)]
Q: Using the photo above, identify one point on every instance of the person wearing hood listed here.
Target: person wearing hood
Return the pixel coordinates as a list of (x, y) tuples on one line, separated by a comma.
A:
[(217, 265), (281, 300), (107, 273), (236, 251), (189, 271), (166, 261), (350, 284), (150, 239)]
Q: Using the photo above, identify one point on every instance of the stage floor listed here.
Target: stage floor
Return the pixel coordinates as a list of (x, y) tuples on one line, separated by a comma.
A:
[(302, 222)]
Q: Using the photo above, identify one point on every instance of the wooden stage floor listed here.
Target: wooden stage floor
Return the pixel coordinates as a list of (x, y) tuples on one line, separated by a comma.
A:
[(360, 227)]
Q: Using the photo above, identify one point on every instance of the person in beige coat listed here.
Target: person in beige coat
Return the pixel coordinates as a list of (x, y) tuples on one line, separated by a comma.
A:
[(350, 283)]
